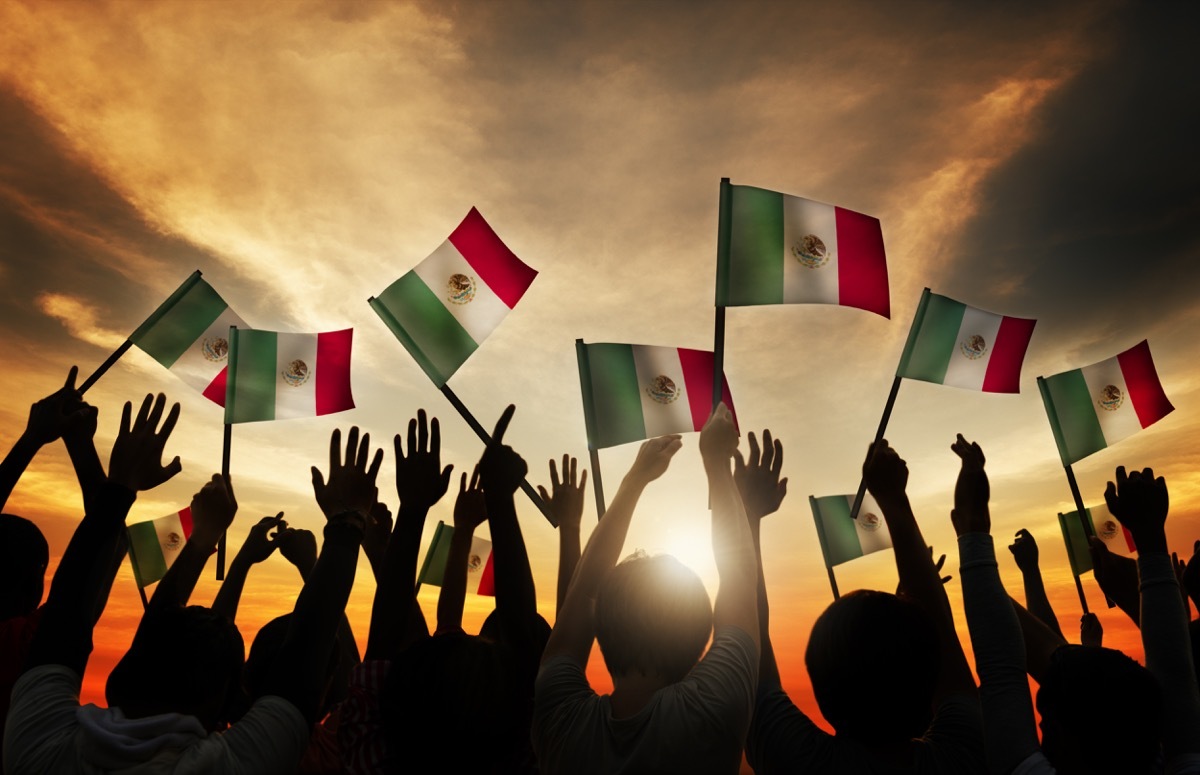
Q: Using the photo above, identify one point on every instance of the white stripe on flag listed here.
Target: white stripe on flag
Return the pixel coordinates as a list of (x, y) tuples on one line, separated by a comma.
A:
[(482, 310), (965, 371), (1118, 418), (873, 534), (295, 394), (802, 283), (170, 537), (203, 360), (659, 417)]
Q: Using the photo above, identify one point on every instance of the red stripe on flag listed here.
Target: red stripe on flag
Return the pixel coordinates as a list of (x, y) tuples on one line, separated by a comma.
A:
[(487, 580), (215, 391), (185, 519), (862, 265), (1145, 391), (1004, 368), (697, 368), (333, 371), (507, 275), (1128, 539)]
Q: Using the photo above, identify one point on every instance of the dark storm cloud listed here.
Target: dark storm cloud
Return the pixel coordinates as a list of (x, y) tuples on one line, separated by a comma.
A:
[(1093, 225)]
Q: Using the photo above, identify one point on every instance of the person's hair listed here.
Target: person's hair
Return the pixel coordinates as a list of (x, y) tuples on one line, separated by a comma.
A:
[(1101, 712), (182, 660), (445, 706), (873, 661), (259, 675), (24, 555), (653, 615)]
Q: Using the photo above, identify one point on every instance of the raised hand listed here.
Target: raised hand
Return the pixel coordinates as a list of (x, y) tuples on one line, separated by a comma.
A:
[(420, 479), (501, 470), (1091, 632), (885, 472), (718, 437), (350, 492), (299, 547), (470, 507), (261, 543), (972, 491), (565, 498), (1117, 577), (136, 460), (1025, 551), (653, 458), (378, 532), (758, 481), (1140, 503), (61, 413), (213, 509), (937, 566)]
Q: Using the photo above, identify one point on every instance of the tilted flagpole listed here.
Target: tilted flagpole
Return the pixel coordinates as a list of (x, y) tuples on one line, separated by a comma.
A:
[(812, 503), (724, 217), (585, 389)]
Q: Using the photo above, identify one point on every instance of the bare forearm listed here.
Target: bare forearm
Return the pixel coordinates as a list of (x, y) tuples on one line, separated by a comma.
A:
[(516, 597), (230, 593), (733, 550), (86, 462), (1037, 602), (176, 587), (395, 611), (568, 560), (14, 465), (768, 668), (454, 582)]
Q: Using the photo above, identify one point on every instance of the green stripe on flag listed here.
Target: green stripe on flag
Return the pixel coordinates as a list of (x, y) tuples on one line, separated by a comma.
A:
[(841, 539), (179, 321), (1072, 416), (928, 355), (250, 393), (616, 396), (433, 570), (755, 273), (145, 553), (425, 327), (1078, 552)]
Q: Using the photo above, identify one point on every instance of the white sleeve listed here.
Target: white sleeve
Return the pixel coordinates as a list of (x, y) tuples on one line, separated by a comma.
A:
[(40, 733)]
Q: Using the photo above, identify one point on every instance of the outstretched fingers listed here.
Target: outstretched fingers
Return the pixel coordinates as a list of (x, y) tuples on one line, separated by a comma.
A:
[(502, 424)]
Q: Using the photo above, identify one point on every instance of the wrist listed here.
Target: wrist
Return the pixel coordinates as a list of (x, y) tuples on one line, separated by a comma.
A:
[(1153, 540)]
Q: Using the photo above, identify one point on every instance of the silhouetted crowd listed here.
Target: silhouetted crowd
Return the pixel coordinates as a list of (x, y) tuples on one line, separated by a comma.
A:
[(695, 681)]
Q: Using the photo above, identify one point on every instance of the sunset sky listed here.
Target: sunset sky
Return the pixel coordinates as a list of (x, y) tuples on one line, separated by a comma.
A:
[(1033, 159)]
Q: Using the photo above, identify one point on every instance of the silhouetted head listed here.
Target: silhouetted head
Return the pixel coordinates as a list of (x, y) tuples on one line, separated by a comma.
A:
[(873, 661), (1101, 712), (182, 660), (24, 555), (259, 676), (445, 706), (653, 616)]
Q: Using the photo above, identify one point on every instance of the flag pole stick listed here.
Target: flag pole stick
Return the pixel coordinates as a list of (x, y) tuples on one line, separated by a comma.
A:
[(724, 214), (883, 421), (589, 420), (224, 474), (597, 485), (812, 502), (487, 439), (141, 589), (1087, 527), (108, 364), (1079, 589)]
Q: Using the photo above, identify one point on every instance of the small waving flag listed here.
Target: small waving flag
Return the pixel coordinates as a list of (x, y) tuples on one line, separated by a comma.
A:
[(844, 539), (1104, 526), (951, 343), (274, 376), (1095, 407), (480, 575), (633, 392), (189, 334), (443, 309), (781, 249), (155, 544)]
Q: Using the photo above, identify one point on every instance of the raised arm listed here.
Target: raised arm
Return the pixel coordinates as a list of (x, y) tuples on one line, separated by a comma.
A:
[(420, 482), (1025, 551), (565, 500), (259, 545), (213, 509), (1010, 732), (470, 511), (375, 540), (1140, 502), (886, 475), (575, 628), (733, 546), (85, 574), (762, 493)]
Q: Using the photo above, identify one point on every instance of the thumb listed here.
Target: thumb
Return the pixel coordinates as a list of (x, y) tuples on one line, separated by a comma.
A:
[(318, 481), (174, 467)]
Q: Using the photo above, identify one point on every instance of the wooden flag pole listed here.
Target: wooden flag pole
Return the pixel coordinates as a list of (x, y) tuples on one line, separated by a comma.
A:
[(812, 502), (141, 589), (225, 474), (1087, 528), (585, 390), (1082, 598), (487, 439), (108, 364), (724, 214)]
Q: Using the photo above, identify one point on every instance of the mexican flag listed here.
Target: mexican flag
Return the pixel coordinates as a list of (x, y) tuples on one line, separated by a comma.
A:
[(951, 343), (154, 545), (443, 309), (781, 249), (633, 392), (1097, 406), (189, 334), (844, 539), (480, 574), (1104, 526), (275, 376)]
